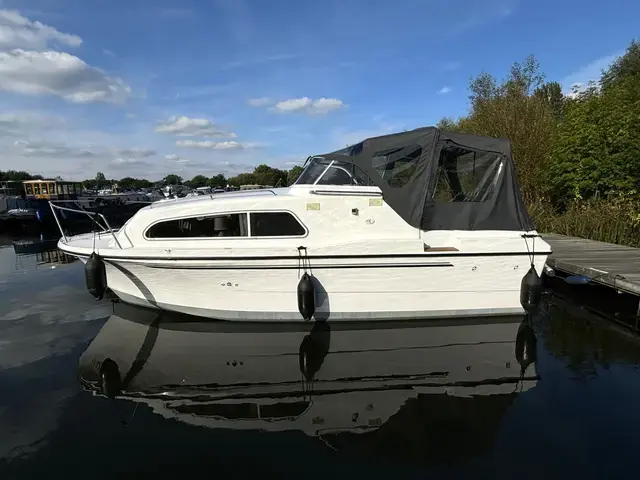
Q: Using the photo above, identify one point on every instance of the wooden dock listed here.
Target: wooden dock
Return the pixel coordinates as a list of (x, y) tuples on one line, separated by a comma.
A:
[(615, 266)]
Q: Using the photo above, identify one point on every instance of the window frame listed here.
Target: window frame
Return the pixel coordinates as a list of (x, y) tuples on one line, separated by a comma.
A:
[(236, 212)]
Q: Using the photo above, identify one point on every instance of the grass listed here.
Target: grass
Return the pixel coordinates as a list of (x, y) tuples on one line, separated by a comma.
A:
[(612, 221)]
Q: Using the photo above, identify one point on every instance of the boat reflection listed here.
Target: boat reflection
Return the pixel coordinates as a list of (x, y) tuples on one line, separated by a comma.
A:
[(43, 250), (402, 378)]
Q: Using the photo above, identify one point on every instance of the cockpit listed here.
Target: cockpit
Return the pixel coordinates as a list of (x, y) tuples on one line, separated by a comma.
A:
[(321, 171)]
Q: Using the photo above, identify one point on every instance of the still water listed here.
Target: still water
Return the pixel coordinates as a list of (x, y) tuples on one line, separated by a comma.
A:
[(416, 400)]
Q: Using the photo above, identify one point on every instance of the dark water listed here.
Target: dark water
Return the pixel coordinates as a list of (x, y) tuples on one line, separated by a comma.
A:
[(444, 400)]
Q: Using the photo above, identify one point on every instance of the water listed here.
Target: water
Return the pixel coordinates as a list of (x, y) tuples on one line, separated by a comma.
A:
[(231, 401)]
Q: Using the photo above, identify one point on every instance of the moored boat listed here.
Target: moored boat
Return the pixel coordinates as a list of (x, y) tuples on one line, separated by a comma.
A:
[(417, 224)]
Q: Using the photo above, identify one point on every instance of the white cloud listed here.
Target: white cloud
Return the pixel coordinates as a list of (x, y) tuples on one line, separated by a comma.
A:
[(191, 127), (60, 150), (176, 158), (60, 74), (260, 102), (136, 152), (208, 144), (17, 124), (589, 73), (444, 90), (108, 53), (44, 148), (17, 31), (128, 161), (320, 106)]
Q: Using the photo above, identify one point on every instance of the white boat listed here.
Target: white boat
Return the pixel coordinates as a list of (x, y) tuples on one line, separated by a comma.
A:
[(412, 225)]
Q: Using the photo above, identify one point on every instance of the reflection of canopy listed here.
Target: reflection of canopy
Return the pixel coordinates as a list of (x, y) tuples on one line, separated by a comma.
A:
[(443, 181)]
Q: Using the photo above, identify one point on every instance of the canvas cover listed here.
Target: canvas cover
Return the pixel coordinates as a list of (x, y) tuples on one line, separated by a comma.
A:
[(439, 180)]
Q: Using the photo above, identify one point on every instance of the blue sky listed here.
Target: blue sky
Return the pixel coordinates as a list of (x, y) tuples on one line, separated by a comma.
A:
[(146, 88)]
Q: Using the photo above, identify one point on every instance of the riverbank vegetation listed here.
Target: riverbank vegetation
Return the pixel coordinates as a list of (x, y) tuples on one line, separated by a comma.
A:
[(577, 155)]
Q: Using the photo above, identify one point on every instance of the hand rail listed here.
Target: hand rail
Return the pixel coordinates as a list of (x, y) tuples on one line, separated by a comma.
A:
[(91, 216)]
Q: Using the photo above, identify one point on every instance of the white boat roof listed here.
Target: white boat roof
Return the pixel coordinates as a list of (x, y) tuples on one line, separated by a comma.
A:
[(295, 190)]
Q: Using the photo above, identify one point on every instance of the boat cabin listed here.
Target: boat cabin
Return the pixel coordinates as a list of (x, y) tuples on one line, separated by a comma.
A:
[(52, 189)]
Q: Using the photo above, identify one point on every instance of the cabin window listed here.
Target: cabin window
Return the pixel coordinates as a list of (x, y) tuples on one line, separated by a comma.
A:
[(45, 189), (467, 176), (29, 189), (233, 225), (65, 189), (52, 188), (397, 166), (275, 224)]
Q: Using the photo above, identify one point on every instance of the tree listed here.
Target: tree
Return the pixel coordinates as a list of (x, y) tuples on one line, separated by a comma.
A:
[(447, 124), (293, 174), (217, 181), (624, 68), (173, 179), (599, 139), (100, 179), (128, 183), (242, 179), (18, 176), (266, 175), (199, 181), (90, 184), (551, 93), (510, 109)]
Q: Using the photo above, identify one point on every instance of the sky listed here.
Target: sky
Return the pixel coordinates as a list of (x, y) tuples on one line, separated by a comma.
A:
[(145, 88)]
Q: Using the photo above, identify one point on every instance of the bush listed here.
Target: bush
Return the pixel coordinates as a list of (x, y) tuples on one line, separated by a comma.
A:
[(614, 220)]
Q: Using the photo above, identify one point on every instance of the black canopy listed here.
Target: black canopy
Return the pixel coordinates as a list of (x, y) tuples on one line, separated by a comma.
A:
[(439, 180)]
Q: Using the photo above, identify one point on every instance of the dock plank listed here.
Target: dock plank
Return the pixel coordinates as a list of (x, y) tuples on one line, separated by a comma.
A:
[(616, 266)]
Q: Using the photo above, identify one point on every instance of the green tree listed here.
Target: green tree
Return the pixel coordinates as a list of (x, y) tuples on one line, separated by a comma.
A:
[(242, 179), (266, 175), (173, 179), (217, 181), (551, 93), (293, 174), (599, 140), (129, 183), (198, 181), (18, 176), (100, 179), (625, 68), (447, 124), (90, 183), (511, 109)]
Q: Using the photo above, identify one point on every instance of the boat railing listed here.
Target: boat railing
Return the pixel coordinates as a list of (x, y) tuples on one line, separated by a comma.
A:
[(106, 228)]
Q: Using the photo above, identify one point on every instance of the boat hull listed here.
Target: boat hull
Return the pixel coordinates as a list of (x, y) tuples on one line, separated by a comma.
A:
[(345, 290)]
